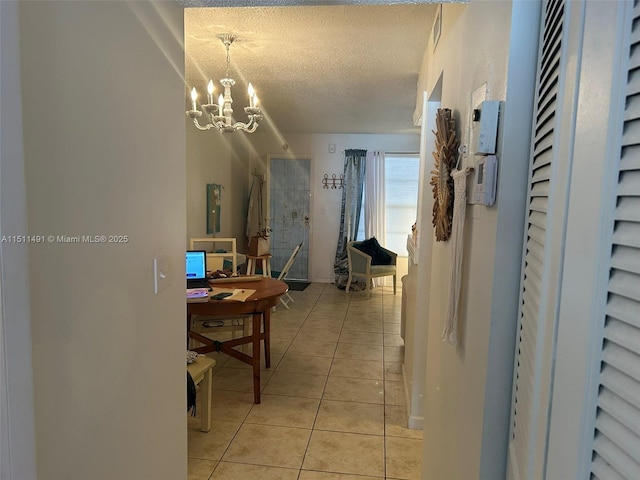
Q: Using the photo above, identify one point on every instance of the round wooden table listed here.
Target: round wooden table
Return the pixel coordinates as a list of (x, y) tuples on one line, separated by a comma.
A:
[(258, 305)]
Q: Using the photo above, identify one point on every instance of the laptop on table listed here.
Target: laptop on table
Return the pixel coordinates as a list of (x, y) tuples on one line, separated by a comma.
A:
[(196, 266)]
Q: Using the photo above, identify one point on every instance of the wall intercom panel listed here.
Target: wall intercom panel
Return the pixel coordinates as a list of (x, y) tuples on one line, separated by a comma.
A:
[(484, 189)]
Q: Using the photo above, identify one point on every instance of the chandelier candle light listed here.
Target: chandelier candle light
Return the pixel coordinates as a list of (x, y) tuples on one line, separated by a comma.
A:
[(221, 115)]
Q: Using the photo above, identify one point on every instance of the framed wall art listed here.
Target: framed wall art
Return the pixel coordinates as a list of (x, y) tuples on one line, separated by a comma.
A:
[(214, 197)]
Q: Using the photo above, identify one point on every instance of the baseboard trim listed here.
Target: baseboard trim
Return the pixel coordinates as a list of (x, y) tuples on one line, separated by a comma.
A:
[(405, 387), (414, 422)]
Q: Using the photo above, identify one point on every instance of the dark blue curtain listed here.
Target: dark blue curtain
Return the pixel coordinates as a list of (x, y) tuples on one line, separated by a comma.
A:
[(354, 167)]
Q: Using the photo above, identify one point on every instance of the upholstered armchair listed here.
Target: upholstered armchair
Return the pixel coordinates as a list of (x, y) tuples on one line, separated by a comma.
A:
[(369, 260)]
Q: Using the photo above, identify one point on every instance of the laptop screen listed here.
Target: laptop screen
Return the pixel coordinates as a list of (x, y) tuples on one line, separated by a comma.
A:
[(196, 265)]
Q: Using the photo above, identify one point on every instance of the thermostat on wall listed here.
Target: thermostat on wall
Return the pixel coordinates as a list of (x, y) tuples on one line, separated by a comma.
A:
[(484, 190)]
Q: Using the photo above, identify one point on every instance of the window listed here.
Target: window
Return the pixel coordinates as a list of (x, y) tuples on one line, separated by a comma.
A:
[(401, 176)]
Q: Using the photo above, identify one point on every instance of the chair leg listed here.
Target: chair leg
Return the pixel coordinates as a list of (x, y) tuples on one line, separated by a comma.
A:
[(263, 262), (394, 284), (205, 405), (346, 290), (286, 302)]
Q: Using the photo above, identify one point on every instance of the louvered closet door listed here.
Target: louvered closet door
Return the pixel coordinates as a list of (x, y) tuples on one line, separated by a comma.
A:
[(616, 445), (539, 293)]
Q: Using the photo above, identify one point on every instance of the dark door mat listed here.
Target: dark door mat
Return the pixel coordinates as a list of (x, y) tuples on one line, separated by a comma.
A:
[(296, 285)]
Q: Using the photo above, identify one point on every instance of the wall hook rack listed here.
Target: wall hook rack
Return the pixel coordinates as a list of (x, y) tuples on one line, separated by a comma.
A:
[(333, 182)]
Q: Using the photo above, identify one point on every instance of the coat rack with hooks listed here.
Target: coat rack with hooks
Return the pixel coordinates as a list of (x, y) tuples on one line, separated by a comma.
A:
[(333, 182)]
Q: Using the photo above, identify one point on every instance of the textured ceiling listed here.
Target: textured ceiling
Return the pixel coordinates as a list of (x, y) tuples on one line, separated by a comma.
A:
[(317, 69)]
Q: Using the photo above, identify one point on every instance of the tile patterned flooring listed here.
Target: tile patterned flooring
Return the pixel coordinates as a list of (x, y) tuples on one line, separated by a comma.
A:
[(332, 402)]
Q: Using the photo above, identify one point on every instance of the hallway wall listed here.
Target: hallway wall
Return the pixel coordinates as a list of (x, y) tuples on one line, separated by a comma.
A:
[(468, 386), (214, 157), (105, 155)]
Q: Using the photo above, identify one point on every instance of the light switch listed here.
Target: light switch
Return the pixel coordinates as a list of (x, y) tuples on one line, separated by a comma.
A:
[(160, 274), (332, 148)]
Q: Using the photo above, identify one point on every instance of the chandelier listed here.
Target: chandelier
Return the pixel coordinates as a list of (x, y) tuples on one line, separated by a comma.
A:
[(220, 115)]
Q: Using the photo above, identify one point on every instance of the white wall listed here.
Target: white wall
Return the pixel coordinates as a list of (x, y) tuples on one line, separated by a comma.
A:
[(17, 429), (213, 157), (326, 203), (417, 304), (468, 387), (104, 138)]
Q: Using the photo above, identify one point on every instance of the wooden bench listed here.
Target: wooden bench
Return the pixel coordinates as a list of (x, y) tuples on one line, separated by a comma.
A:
[(202, 372)]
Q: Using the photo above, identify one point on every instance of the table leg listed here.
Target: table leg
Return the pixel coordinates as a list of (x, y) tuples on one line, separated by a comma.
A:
[(267, 337), (256, 357)]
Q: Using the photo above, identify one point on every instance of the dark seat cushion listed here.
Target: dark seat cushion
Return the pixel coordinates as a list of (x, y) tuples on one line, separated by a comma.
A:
[(372, 248)]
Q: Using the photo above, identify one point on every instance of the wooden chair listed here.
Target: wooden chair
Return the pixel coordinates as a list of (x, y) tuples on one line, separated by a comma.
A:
[(202, 371), (360, 266), (285, 271)]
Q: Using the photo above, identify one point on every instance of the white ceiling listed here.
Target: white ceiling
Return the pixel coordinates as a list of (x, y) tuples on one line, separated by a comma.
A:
[(317, 69)]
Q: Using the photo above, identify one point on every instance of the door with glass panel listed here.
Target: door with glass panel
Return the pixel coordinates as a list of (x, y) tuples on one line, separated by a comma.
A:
[(289, 212)]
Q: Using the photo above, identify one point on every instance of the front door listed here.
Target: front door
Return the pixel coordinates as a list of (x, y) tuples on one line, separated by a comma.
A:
[(289, 210)]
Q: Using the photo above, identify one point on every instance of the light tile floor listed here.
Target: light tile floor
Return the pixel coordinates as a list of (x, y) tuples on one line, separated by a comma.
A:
[(332, 402)]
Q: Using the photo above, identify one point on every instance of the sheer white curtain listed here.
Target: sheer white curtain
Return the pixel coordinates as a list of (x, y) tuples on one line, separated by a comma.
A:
[(374, 200)]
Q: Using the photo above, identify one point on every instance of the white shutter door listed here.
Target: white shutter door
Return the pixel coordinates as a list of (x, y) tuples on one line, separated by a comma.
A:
[(616, 445), (536, 328)]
